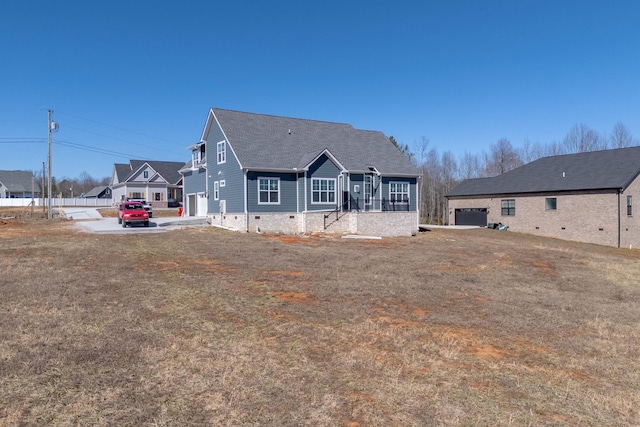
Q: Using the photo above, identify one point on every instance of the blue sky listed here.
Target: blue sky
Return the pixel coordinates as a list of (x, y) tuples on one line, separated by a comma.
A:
[(136, 78)]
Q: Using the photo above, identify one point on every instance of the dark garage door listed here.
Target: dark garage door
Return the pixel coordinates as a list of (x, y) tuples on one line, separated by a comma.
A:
[(471, 216)]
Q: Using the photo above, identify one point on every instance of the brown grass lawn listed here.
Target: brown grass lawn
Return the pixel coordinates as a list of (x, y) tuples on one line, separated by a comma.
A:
[(207, 327)]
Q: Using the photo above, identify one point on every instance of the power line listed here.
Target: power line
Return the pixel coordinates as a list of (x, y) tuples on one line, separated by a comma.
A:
[(120, 128), (21, 137), (115, 138), (92, 149)]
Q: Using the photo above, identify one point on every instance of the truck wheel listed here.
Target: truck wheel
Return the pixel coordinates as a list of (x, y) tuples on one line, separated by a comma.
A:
[(124, 224), (119, 220)]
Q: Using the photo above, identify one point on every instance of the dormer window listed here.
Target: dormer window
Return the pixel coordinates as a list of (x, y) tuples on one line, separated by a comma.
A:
[(145, 174), (222, 152), (198, 155), (202, 152)]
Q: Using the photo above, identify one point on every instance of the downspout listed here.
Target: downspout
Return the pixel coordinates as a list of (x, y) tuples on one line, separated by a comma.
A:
[(246, 209), (619, 225), (304, 214), (418, 185), (340, 197), (206, 193), (297, 191)]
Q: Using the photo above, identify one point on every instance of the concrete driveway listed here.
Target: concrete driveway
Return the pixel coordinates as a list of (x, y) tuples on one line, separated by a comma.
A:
[(90, 221)]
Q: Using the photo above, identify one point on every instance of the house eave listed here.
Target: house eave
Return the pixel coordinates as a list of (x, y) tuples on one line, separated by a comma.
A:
[(273, 170), (537, 193)]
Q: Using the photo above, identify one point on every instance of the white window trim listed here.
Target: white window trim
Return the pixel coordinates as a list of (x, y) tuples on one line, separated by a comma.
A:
[(408, 193), (269, 178), (221, 155), (223, 183), (216, 190), (369, 193), (335, 191)]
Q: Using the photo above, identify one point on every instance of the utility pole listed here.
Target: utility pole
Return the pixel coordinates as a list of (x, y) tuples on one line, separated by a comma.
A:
[(49, 112), (53, 127), (42, 189)]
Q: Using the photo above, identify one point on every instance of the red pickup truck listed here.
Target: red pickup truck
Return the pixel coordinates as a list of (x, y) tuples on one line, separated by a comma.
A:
[(132, 213)]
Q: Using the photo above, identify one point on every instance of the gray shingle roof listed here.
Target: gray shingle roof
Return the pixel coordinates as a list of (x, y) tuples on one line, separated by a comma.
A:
[(168, 170), (596, 170), (95, 191), (18, 181), (271, 142)]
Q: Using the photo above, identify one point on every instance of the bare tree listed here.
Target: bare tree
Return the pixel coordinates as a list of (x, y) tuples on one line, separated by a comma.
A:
[(621, 137), (531, 151), (449, 170), (469, 166), (554, 148), (502, 158), (581, 138)]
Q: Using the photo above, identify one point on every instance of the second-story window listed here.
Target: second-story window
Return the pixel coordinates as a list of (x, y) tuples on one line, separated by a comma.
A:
[(222, 152)]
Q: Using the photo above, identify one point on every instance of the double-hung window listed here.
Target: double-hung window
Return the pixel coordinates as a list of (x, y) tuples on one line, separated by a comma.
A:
[(222, 152), (323, 190), (216, 190), (268, 191), (508, 207), (399, 192)]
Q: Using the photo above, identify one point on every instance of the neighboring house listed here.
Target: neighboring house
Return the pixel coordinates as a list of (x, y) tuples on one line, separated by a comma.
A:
[(154, 181), (18, 184), (585, 197), (256, 172), (100, 192)]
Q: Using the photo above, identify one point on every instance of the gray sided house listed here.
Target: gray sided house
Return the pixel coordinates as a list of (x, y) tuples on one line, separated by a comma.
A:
[(100, 192), (153, 181), (584, 197), (18, 184), (262, 173)]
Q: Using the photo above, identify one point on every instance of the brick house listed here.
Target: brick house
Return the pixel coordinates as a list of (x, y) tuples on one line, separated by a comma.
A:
[(256, 172), (584, 197)]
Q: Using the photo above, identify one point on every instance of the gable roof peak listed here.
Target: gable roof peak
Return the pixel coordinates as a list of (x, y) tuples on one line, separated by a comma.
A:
[(263, 141)]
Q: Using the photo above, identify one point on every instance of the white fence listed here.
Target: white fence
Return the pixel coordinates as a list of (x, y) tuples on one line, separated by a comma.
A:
[(57, 202)]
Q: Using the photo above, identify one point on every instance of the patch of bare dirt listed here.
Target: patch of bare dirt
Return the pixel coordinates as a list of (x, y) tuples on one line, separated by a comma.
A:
[(205, 327)]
